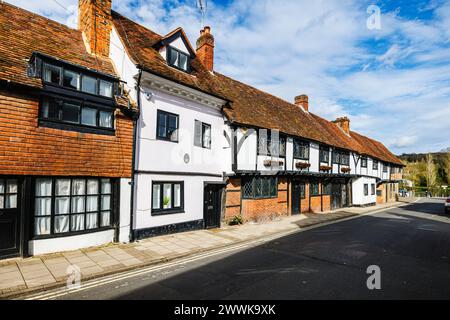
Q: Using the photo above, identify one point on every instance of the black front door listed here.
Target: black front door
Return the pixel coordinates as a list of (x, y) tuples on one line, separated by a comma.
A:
[(9, 217), (213, 205), (336, 196), (296, 196)]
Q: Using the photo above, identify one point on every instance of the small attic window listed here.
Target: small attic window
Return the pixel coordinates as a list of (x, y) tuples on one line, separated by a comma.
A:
[(178, 59)]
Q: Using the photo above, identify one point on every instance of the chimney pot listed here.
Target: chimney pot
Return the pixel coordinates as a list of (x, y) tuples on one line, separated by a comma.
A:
[(302, 101), (343, 123)]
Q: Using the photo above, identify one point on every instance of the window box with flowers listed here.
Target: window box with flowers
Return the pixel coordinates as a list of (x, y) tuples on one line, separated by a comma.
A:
[(345, 170), (325, 168), (302, 165)]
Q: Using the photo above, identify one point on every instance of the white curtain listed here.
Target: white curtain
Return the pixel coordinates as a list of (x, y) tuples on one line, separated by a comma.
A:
[(106, 186), (92, 187), (42, 226), (77, 204), (78, 187), (156, 196), (63, 187), (106, 202), (2, 186), (62, 205), (62, 224), (2, 202), (106, 217), (43, 206), (77, 222), (177, 196), (92, 204), (91, 221), (207, 137), (43, 187), (12, 186)]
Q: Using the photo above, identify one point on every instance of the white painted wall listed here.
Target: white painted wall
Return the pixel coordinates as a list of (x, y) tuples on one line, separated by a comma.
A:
[(125, 213), (45, 246), (358, 196), (193, 200), (160, 155)]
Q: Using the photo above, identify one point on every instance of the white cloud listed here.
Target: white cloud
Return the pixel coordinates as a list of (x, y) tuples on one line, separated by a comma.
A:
[(396, 89)]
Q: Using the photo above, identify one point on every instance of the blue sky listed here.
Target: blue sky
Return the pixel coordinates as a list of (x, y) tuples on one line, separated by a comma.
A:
[(393, 82)]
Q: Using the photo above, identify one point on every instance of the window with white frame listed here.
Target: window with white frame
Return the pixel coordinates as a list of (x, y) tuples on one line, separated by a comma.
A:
[(71, 205)]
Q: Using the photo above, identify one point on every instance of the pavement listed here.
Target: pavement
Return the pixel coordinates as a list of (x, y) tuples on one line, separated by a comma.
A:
[(46, 272)]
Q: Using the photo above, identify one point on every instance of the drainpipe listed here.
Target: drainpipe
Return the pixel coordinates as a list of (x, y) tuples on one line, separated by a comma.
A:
[(133, 168)]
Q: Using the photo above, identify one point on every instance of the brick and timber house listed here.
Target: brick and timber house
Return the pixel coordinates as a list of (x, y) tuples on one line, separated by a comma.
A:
[(279, 157), (66, 134)]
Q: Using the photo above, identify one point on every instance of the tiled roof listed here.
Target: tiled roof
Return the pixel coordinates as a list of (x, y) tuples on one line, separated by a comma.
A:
[(248, 106), (22, 33)]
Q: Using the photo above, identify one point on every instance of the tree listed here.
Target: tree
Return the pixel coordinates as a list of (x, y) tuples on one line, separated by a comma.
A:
[(447, 166), (430, 171)]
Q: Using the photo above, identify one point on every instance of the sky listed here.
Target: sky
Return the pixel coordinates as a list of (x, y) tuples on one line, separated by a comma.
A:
[(384, 64)]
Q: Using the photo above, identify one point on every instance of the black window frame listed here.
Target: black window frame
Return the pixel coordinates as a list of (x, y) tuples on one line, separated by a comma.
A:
[(326, 188), (366, 189), (250, 188), (168, 136), (201, 144), (282, 139), (173, 210), (336, 157), (169, 52), (372, 186), (345, 158), (81, 74), (58, 122), (112, 207), (5, 194), (364, 162), (299, 145), (375, 165), (385, 168), (324, 154), (314, 191)]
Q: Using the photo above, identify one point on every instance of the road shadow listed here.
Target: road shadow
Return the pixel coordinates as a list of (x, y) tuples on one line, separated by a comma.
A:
[(328, 262)]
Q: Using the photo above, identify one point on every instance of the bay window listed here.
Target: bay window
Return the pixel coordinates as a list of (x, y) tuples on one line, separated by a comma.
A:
[(68, 78), (167, 197), (71, 205), (58, 110)]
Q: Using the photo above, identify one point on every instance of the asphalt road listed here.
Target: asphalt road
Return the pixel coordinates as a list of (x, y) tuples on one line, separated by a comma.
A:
[(411, 245)]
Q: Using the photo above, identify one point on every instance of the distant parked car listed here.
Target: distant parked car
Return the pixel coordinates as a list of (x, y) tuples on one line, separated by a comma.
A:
[(447, 205)]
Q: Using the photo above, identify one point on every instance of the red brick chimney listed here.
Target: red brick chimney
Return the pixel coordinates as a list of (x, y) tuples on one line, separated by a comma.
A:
[(205, 48), (343, 123), (302, 101), (95, 21)]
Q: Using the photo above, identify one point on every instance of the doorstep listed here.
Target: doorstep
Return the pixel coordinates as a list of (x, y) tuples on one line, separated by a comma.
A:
[(45, 272)]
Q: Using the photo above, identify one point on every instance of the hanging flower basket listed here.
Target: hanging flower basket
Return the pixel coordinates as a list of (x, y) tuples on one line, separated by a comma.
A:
[(346, 170), (273, 163), (325, 168), (302, 165)]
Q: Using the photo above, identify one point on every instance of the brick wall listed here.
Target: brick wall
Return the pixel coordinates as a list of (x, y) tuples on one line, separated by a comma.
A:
[(26, 149), (233, 198)]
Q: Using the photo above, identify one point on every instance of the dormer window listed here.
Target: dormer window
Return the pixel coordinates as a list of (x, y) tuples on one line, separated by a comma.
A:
[(178, 59), (60, 76)]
